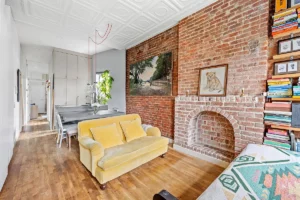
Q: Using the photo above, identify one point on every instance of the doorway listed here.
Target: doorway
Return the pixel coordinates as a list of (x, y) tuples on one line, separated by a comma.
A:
[(38, 95)]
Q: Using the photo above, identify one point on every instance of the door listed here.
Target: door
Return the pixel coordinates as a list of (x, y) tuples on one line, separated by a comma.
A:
[(60, 65), (38, 95), (71, 92), (60, 91), (72, 67)]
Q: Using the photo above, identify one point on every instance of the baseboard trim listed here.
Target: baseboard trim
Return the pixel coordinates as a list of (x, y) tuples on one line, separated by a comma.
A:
[(201, 156)]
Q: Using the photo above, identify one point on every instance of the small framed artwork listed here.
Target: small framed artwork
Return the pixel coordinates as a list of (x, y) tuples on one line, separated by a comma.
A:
[(287, 67), (294, 2), (292, 67), (280, 5), (285, 46), (296, 44), (213, 81), (289, 45)]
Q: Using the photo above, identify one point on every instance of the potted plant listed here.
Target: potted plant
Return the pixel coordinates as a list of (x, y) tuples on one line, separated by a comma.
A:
[(104, 87)]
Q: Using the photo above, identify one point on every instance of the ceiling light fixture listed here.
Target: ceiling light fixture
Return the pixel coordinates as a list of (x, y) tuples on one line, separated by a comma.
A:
[(102, 39)]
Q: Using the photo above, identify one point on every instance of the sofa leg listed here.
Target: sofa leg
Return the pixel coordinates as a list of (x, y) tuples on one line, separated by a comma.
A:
[(103, 186), (163, 155)]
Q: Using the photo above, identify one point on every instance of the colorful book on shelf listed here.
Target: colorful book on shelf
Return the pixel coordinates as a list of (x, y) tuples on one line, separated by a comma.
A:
[(277, 144), (278, 137), (277, 112), (277, 123), (278, 119), (283, 22), (276, 140), (285, 31), (278, 80), (286, 91), (279, 87), (284, 13), (285, 26), (286, 18), (279, 104), (296, 97), (278, 132), (278, 109)]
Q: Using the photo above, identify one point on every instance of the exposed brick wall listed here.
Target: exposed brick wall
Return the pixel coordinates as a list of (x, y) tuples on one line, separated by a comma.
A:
[(244, 114), (215, 130), (233, 32), (155, 110)]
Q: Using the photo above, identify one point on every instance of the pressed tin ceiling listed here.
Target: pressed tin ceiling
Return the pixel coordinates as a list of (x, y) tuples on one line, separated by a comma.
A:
[(67, 24)]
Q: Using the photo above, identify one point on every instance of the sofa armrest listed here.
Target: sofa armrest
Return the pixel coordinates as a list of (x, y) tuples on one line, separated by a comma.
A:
[(92, 145), (153, 131), (96, 151)]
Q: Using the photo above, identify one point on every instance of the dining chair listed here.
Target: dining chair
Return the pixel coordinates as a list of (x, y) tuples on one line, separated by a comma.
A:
[(62, 133), (71, 130)]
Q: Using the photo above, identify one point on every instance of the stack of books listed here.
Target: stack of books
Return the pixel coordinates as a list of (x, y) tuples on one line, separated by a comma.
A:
[(278, 113), (280, 88), (278, 138), (296, 92), (285, 22)]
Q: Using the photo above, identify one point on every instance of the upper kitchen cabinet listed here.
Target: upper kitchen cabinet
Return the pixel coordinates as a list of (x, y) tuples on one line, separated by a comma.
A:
[(72, 66), (83, 68), (60, 64)]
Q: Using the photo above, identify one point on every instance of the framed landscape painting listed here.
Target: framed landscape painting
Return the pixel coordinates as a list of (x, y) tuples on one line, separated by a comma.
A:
[(152, 77), (213, 81)]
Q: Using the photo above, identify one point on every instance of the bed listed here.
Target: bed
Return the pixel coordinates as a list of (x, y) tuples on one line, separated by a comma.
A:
[(259, 172)]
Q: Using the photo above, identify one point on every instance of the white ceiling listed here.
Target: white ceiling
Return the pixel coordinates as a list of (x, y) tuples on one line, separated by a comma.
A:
[(66, 24)]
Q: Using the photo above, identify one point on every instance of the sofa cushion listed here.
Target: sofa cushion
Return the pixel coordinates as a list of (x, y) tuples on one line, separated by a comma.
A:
[(107, 136), (132, 130), (120, 154)]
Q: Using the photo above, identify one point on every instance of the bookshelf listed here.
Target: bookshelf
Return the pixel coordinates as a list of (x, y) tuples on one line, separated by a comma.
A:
[(286, 128), (286, 99), (286, 76), (292, 77), (289, 33), (286, 56)]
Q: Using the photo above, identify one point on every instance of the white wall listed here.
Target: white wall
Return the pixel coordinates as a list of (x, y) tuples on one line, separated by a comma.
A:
[(9, 63), (115, 62)]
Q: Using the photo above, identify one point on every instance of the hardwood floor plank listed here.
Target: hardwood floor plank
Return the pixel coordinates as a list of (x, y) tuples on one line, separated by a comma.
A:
[(41, 170)]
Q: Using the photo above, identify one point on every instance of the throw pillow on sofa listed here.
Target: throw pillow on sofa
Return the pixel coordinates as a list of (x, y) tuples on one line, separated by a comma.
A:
[(132, 130), (108, 135)]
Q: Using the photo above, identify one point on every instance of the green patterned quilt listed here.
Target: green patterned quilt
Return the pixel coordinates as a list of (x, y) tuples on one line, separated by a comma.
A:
[(259, 172)]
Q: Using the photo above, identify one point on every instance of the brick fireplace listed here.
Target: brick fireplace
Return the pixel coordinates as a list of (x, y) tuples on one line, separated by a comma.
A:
[(217, 128)]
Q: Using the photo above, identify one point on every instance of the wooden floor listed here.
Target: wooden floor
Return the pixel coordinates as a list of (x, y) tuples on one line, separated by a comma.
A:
[(39, 170)]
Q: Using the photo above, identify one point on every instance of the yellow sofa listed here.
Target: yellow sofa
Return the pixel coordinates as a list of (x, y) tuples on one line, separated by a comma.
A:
[(110, 163)]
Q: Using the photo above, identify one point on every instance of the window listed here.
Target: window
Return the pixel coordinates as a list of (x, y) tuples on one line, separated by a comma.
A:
[(98, 76)]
